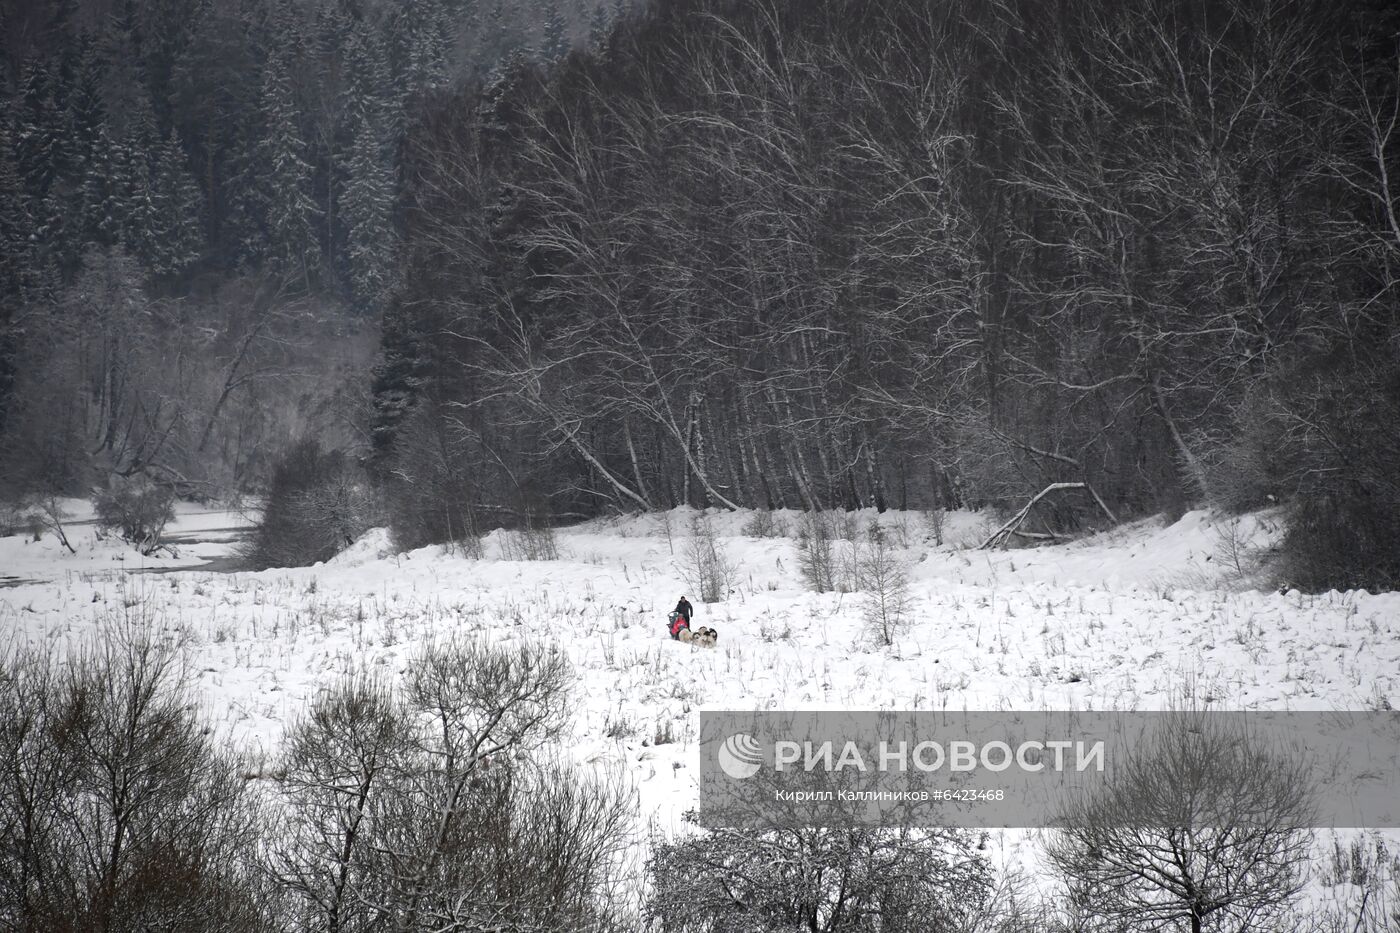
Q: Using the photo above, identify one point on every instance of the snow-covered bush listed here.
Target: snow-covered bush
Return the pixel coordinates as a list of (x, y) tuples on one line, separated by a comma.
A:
[(807, 878), (318, 504), (136, 508)]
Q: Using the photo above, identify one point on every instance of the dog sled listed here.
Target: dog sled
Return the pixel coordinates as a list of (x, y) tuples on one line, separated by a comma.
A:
[(679, 627)]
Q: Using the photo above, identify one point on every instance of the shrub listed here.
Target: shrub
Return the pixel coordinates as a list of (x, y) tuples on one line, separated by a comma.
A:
[(706, 566), (816, 544), (136, 508), (46, 513), (430, 807), (738, 880), (1239, 559), (763, 524), (1367, 875), (1341, 542), (116, 811), (529, 544), (14, 518), (935, 520), (1319, 436), (337, 767), (318, 504), (535, 541)]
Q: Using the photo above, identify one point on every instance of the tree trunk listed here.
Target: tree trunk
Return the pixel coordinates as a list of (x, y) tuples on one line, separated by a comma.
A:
[(1195, 471)]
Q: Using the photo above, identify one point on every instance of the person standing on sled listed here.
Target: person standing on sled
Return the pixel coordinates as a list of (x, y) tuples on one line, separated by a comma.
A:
[(680, 618)]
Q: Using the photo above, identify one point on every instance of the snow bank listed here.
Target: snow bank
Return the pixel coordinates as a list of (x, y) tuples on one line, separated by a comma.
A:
[(373, 545)]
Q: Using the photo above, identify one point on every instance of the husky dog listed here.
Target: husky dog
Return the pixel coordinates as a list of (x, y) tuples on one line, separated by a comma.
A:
[(679, 627)]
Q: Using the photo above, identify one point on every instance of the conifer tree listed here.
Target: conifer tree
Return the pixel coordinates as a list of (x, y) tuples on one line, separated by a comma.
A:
[(556, 39), (38, 129), (16, 258), (328, 43), (170, 213), (367, 176), (398, 378), (112, 184), (368, 203), (38, 145), (16, 228), (125, 97), (86, 108), (164, 28), (599, 25), (82, 206), (421, 40), (217, 108), (290, 210), (500, 36)]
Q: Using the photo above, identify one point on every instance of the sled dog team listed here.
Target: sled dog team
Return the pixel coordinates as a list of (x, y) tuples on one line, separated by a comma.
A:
[(679, 625)]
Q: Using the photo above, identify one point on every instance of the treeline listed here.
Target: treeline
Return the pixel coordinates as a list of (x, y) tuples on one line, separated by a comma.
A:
[(917, 253), (196, 196)]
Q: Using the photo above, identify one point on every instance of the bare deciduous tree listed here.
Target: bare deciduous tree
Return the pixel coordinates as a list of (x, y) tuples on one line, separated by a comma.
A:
[(705, 563), (1200, 826), (481, 706), (343, 760), (116, 811)]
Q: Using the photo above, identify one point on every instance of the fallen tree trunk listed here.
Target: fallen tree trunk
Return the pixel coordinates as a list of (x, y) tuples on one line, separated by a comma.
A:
[(1001, 535)]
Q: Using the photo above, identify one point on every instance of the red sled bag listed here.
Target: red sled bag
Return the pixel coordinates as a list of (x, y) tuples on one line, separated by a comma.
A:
[(677, 623)]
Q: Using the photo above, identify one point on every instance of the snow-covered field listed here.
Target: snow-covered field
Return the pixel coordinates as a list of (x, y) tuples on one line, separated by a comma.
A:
[(1121, 620)]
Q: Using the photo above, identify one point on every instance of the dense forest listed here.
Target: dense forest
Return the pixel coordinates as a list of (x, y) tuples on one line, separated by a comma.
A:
[(197, 220), (821, 254), (913, 254)]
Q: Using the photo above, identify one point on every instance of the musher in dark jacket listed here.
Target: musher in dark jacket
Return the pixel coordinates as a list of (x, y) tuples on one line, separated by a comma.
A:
[(679, 618)]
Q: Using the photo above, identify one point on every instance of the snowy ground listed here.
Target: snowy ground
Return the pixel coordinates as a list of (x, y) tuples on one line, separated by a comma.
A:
[(1116, 621)]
